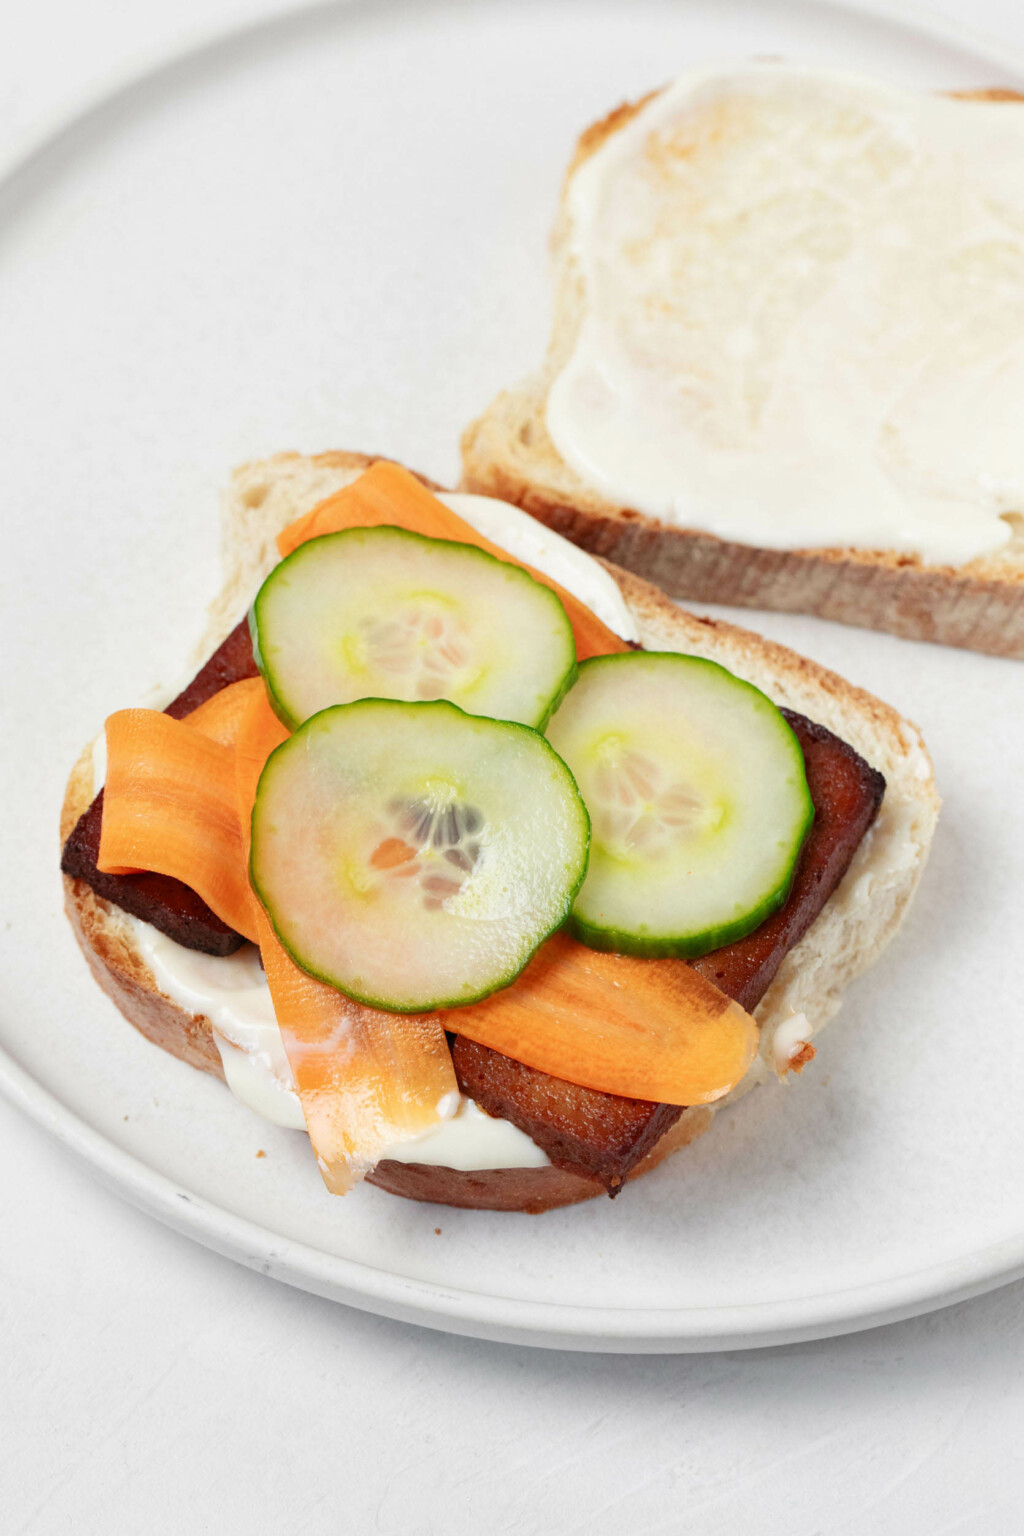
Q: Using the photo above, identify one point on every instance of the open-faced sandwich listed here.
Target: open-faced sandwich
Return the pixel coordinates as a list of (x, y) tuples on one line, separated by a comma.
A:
[(787, 364), (474, 856)]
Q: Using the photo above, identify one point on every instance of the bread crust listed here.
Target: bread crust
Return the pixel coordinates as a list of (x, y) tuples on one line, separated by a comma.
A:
[(855, 924), (507, 452)]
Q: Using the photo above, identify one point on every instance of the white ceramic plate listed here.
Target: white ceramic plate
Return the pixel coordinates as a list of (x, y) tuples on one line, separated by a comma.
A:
[(330, 232)]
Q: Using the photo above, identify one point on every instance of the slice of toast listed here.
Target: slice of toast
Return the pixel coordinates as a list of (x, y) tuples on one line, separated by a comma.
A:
[(855, 924), (508, 452)]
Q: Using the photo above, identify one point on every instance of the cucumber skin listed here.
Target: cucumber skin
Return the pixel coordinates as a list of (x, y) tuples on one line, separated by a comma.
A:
[(690, 946), (289, 720), (272, 698), (686, 946), (569, 681), (435, 1006)]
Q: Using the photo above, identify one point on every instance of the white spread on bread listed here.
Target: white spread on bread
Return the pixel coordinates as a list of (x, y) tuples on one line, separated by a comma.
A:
[(788, 1040), (803, 314), (232, 991), (528, 540), (233, 994)]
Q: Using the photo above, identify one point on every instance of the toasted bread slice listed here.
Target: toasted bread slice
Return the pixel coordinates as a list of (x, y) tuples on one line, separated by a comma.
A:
[(855, 924), (508, 452)]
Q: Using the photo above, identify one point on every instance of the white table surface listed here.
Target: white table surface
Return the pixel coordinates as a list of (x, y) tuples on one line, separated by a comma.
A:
[(149, 1385)]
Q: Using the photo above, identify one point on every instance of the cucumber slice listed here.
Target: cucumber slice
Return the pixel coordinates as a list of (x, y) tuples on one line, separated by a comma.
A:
[(414, 856), (698, 797), (383, 613)]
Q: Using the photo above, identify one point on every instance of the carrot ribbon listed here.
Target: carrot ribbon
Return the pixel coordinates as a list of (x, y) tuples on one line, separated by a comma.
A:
[(170, 805)]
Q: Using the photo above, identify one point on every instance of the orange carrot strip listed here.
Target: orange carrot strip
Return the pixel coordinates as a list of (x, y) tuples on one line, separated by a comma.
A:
[(366, 1080), (388, 495), (218, 718), (259, 732), (170, 805), (221, 716), (646, 1029)]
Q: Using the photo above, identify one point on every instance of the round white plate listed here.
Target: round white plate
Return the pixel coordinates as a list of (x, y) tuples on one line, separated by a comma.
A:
[(330, 232)]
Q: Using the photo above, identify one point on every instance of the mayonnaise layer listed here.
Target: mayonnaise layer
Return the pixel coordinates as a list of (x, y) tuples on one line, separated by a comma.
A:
[(803, 319), (526, 539), (232, 991)]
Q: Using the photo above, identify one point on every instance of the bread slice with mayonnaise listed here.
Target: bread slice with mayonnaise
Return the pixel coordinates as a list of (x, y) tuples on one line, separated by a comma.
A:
[(856, 923), (787, 363)]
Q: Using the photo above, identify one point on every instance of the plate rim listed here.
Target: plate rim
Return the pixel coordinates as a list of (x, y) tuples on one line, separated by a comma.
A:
[(474, 1313), (502, 1319)]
